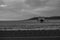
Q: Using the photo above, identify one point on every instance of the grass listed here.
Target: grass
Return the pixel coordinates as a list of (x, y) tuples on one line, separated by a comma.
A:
[(28, 25)]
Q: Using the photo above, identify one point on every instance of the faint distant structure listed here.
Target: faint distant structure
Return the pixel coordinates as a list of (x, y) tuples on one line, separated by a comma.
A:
[(41, 20)]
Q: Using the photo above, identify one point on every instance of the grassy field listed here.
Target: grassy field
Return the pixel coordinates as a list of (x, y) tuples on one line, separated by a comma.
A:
[(28, 25)]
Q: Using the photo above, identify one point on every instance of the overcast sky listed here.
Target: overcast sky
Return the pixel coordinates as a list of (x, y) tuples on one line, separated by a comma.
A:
[(14, 11)]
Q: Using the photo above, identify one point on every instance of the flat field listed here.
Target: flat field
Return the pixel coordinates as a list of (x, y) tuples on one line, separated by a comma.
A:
[(29, 25)]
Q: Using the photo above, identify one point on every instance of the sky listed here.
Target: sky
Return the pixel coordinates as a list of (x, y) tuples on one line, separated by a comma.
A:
[(14, 11)]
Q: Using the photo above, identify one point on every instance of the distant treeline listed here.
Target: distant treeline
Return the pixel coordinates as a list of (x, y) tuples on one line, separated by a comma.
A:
[(50, 18)]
